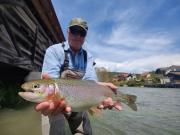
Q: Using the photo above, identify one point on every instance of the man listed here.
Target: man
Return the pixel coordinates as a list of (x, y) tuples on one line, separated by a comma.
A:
[(76, 63)]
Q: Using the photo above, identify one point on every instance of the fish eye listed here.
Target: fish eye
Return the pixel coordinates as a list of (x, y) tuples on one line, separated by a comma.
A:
[(36, 86)]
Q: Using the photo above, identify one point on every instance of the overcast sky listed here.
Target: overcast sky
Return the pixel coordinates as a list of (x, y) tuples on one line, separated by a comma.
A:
[(127, 35)]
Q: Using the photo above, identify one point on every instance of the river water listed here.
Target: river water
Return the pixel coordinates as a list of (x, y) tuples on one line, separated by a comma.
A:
[(158, 114)]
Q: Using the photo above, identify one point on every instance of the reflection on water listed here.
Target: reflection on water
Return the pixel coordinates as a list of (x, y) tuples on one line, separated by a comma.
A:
[(158, 114)]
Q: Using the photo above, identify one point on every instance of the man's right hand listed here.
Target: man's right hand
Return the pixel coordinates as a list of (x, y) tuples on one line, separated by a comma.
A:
[(50, 107)]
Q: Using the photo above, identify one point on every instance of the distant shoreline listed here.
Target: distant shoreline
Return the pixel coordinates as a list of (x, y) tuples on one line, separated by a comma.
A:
[(162, 85)]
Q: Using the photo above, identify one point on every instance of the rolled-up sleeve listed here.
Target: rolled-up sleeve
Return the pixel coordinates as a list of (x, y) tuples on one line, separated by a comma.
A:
[(53, 60)]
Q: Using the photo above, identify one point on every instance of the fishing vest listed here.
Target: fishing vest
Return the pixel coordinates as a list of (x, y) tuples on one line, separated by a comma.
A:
[(68, 73)]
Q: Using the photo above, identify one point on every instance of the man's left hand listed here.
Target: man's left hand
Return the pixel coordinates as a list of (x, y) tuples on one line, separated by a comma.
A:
[(109, 103)]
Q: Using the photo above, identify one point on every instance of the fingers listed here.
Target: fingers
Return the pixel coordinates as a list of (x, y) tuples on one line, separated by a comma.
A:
[(118, 106), (110, 85), (41, 106), (109, 104), (44, 108), (113, 87), (59, 107), (45, 76), (52, 108)]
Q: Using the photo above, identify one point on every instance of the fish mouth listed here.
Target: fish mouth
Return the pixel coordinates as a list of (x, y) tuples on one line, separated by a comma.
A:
[(29, 96), (25, 89), (29, 91)]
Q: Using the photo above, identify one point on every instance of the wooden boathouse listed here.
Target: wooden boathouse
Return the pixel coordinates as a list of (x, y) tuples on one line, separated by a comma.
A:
[(27, 29)]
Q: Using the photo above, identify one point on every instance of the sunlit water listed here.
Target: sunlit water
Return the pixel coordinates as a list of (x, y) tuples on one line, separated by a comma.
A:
[(158, 114)]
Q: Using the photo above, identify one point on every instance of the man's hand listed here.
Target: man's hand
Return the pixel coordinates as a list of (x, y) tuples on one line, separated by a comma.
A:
[(52, 108), (109, 103)]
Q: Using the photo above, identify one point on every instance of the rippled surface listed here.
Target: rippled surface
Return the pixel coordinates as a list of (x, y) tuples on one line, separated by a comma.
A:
[(158, 114)]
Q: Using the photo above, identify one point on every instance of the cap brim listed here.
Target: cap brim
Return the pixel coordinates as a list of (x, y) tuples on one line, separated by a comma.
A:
[(79, 26)]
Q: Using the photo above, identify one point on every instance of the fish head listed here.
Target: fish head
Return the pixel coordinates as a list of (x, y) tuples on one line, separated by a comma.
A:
[(37, 90)]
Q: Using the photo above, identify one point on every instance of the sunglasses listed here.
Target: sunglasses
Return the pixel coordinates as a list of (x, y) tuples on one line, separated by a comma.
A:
[(76, 30)]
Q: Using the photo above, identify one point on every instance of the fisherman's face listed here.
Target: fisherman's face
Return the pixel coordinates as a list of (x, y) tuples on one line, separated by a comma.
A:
[(76, 37)]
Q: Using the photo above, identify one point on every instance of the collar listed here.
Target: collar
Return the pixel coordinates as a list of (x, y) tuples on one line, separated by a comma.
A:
[(79, 52)]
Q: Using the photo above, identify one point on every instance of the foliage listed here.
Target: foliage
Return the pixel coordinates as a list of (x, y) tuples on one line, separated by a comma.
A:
[(9, 94), (155, 78)]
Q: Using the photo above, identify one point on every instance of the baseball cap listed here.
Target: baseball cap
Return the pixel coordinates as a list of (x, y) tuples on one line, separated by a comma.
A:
[(78, 22)]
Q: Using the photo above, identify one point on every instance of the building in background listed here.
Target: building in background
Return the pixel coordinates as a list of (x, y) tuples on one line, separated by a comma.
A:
[(27, 28), (169, 75)]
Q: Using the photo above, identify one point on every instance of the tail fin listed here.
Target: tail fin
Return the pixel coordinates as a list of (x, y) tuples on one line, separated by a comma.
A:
[(128, 100)]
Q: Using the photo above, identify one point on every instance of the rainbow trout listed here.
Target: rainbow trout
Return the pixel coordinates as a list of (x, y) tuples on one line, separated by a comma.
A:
[(81, 95)]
